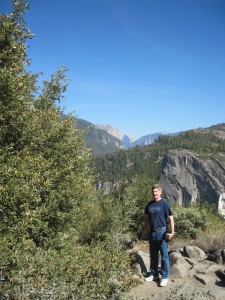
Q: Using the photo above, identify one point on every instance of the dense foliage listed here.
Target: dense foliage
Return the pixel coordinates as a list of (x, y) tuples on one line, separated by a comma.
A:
[(128, 163)]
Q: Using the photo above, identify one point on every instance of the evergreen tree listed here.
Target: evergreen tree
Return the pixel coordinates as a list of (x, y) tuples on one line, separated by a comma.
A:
[(44, 174)]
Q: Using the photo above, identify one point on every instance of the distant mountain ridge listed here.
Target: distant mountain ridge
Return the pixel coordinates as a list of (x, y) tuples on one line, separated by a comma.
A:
[(190, 165), (125, 139), (103, 138), (128, 141), (111, 130), (151, 138)]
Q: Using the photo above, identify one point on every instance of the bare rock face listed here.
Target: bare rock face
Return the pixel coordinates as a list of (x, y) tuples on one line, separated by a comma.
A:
[(105, 186), (186, 177), (113, 131)]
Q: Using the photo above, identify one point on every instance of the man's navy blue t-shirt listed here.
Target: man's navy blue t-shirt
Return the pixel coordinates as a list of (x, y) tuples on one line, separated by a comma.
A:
[(158, 212)]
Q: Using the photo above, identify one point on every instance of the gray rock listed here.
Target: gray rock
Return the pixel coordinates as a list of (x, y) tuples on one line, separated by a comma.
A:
[(194, 252), (217, 256), (142, 262), (189, 278), (191, 261), (174, 256), (203, 267), (180, 269)]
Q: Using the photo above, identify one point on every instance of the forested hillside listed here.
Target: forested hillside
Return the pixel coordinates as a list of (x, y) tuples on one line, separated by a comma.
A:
[(190, 166), (148, 160)]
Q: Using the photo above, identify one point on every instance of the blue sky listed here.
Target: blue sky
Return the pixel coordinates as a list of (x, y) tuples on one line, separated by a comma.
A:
[(142, 66)]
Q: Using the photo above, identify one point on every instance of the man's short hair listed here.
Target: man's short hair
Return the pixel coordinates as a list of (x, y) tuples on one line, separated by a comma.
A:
[(157, 186)]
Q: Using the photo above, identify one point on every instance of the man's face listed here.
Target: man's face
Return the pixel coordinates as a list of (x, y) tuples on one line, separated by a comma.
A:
[(156, 194)]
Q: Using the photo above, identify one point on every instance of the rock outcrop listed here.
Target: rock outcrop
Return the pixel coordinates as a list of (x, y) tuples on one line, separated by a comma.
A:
[(186, 177), (111, 130)]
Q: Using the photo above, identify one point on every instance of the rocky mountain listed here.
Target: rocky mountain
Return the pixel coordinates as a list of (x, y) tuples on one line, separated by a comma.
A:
[(187, 177), (103, 138), (125, 139), (111, 130), (150, 138), (147, 139), (96, 138), (128, 141), (99, 140)]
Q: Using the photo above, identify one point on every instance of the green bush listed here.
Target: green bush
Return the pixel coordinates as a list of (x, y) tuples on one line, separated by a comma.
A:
[(189, 221), (199, 217), (76, 272)]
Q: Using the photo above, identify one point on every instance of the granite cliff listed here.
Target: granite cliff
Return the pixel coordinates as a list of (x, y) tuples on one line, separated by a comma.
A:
[(187, 177)]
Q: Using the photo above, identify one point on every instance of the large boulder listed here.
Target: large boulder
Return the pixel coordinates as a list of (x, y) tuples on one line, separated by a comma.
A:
[(180, 269), (194, 252), (203, 267), (142, 263)]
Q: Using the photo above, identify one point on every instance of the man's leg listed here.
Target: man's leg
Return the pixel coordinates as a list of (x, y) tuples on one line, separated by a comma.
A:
[(165, 263), (154, 256)]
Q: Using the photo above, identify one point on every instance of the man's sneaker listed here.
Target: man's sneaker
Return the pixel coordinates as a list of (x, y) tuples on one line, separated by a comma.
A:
[(151, 278), (164, 282)]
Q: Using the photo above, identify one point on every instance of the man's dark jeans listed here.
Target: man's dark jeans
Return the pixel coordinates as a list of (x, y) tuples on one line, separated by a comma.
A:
[(158, 245)]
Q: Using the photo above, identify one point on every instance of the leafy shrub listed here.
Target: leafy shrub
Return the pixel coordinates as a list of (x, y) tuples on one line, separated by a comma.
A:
[(76, 272), (189, 221), (197, 221)]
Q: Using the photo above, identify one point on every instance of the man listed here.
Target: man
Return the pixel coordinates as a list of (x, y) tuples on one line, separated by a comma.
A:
[(161, 223)]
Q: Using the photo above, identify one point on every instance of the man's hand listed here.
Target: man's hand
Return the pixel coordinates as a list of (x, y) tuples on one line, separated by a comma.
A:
[(169, 236)]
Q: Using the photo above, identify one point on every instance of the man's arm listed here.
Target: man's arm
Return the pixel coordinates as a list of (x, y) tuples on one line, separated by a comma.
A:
[(171, 225)]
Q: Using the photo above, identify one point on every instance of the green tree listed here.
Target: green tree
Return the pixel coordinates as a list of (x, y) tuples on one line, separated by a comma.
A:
[(44, 174)]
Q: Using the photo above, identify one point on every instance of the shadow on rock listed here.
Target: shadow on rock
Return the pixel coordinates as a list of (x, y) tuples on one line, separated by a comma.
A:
[(220, 283), (141, 263)]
